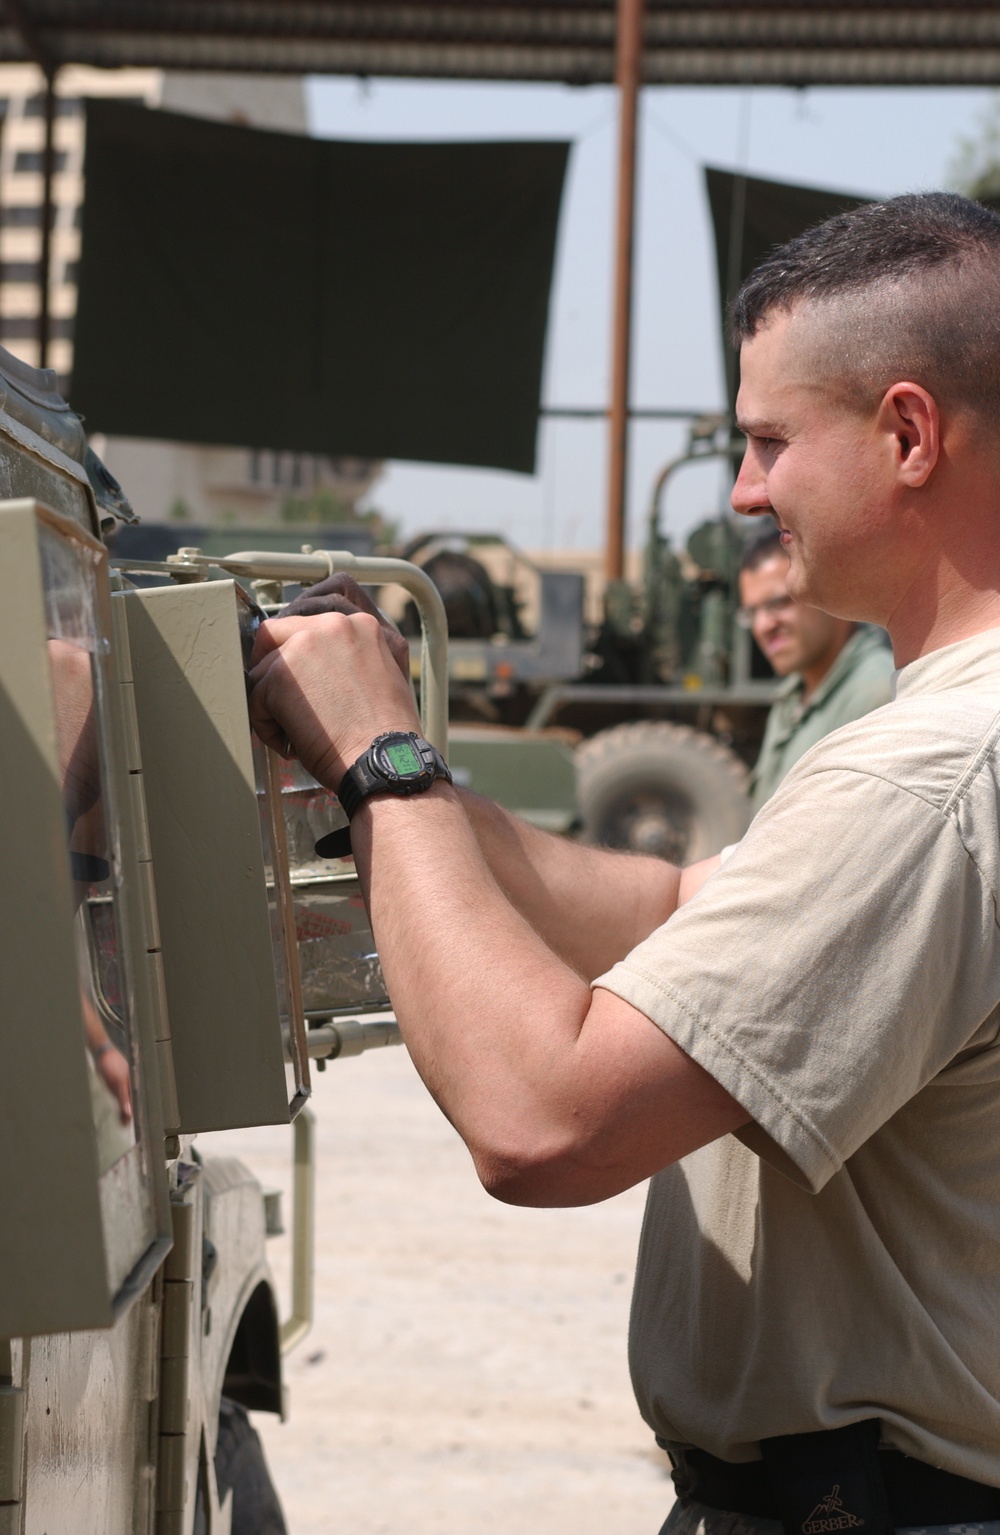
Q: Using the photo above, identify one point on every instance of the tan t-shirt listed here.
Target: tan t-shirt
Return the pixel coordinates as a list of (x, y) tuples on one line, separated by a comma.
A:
[(840, 975)]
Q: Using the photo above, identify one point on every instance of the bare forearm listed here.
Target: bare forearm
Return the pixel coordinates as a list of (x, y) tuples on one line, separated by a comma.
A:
[(588, 905), (562, 1095), (489, 1013), (487, 931)]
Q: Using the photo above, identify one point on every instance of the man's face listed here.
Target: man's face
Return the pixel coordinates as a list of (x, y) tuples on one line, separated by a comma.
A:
[(795, 638), (820, 467)]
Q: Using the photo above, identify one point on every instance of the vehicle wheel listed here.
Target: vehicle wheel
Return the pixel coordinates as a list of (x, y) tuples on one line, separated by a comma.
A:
[(240, 1465), (655, 787)]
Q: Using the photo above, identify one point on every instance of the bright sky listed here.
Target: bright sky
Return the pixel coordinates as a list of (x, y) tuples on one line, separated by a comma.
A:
[(868, 140)]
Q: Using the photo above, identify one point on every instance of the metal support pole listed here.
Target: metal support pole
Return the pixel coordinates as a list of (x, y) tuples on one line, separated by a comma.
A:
[(628, 74), (45, 262)]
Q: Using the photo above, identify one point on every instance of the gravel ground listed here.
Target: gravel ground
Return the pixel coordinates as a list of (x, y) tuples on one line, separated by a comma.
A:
[(466, 1369)]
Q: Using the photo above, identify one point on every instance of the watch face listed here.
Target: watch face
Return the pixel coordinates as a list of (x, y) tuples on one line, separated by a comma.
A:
[(402, 757)]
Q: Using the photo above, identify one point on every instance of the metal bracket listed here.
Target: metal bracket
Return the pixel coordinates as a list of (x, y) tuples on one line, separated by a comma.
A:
[(351, 1036)]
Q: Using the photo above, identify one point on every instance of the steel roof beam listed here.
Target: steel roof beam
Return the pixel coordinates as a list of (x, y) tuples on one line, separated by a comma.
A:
[(688, 42)]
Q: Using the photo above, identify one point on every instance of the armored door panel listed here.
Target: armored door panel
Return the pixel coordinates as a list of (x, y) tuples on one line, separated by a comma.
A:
[(224, 965)]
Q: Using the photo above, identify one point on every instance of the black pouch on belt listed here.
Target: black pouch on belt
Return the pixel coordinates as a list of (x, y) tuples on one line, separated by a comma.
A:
[(830, 1481)]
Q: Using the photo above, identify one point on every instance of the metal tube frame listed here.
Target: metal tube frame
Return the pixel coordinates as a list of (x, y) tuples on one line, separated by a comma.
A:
[(345, 1037), (376, 570), (285, 913), (300, 1319)]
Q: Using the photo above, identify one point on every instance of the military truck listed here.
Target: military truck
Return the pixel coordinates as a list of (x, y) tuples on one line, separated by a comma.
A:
[(175, 954), (667, 695)]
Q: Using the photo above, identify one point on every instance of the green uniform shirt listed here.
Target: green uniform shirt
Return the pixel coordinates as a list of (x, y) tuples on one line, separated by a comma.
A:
[(857, 682)]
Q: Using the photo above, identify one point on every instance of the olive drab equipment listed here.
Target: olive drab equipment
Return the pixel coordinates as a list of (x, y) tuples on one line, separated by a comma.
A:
[(174, 954)]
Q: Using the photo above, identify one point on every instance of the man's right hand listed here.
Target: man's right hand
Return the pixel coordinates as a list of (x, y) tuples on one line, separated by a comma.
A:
[(324, 687)]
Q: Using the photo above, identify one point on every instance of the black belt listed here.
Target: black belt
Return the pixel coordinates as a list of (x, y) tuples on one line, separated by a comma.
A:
[(832, 1481)]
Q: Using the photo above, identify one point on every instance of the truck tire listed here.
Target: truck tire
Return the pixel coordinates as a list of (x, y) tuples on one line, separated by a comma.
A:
[(240, 1465), (660, 788)]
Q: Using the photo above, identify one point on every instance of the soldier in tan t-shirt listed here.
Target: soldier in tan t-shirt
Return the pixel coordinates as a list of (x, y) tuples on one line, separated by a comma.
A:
[(802, 1045)]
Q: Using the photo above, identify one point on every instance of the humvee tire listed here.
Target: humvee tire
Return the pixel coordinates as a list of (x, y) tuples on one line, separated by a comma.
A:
[(660, 788), (240, 1465)]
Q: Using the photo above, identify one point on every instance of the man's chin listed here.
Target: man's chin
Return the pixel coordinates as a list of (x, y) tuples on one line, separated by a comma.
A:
[(798, 585)]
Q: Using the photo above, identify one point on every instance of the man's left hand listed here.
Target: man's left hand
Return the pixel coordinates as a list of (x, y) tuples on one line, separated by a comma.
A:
[(342, 594), (325, 687)]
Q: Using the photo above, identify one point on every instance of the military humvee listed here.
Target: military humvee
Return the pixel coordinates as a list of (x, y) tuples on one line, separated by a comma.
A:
[(174, 954)]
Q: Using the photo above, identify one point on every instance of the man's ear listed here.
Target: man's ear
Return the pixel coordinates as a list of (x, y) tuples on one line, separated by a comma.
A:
[(910, 418)]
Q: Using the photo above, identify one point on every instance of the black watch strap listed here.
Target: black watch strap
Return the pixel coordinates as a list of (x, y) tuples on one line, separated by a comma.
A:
[(336, 844), (373, 773)]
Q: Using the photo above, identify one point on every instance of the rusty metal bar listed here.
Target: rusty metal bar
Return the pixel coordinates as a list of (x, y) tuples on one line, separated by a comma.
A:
[(628, 72)]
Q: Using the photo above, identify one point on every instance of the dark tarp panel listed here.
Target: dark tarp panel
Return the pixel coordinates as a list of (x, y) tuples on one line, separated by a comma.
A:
[(750, 218), (265, 290)]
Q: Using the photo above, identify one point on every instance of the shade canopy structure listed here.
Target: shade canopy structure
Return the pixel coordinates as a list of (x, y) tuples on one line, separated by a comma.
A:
[(576, 42), (685, 42), (750, 217)]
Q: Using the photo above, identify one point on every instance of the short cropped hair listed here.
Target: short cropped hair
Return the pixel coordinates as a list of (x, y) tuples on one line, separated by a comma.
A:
[(907, 289), (763, 546)]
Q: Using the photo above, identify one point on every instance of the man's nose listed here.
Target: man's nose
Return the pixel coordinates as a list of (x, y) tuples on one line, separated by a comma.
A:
[(749, 496)]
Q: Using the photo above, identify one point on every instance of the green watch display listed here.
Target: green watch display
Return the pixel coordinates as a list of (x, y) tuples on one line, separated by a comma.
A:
[(398, 762)]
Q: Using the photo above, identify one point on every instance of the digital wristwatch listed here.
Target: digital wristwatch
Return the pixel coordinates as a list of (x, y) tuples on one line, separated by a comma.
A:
[(398, 762)]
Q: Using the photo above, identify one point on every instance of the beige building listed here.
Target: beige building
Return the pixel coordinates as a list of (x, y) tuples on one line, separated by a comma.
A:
[(166, 481)]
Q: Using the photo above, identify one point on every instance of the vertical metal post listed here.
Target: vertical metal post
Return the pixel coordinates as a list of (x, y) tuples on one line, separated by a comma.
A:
[(45, 262), (628, 74), (294, 1329)]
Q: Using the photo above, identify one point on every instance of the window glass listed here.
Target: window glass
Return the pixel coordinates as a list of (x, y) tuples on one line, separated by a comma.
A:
[(77, 652), (338, 961)]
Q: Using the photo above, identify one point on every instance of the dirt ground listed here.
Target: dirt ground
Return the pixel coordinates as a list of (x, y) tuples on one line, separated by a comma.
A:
[(466, 1370)]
